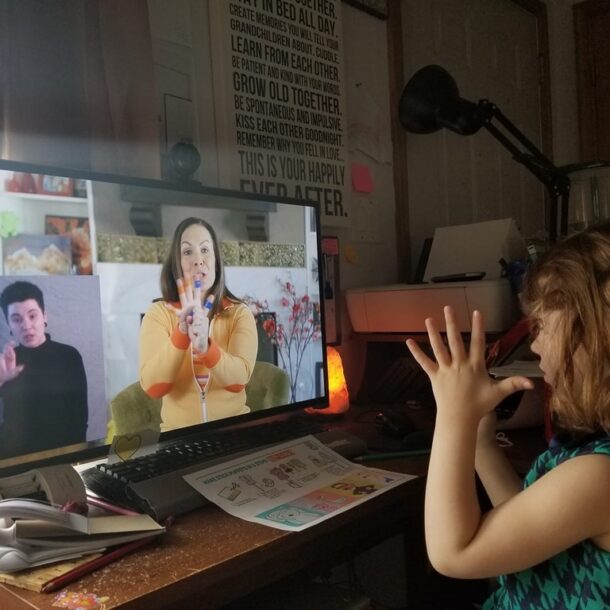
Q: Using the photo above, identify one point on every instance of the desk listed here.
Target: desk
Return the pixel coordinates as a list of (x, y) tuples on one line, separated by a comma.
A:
[(209, 558)]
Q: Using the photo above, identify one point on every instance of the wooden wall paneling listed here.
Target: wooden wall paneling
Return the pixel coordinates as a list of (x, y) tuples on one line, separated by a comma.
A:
[(399, 142), (494, 49), (592, 39)]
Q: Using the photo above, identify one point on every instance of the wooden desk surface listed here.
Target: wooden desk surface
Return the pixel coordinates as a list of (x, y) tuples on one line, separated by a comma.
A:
[(209, 558)]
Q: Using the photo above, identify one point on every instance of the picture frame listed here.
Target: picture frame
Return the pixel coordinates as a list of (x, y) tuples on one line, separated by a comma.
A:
[(26, 254), (58, 186), (77, 229)]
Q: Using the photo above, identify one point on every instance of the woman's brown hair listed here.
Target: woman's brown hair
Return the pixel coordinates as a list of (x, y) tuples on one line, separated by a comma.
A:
[(172, 270), (573, 278)]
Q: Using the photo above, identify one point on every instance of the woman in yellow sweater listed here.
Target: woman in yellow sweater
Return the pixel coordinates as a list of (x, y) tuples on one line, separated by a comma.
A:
[(197, 357)]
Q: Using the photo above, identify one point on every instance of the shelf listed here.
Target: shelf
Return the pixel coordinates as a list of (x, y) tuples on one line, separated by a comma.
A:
[(31, 209), (37, 197)]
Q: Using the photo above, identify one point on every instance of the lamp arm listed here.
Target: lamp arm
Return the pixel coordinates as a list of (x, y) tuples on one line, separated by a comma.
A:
[(490, 111), (555, 179)]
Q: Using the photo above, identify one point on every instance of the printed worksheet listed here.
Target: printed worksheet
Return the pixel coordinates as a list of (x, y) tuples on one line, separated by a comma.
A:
[(291, 486)]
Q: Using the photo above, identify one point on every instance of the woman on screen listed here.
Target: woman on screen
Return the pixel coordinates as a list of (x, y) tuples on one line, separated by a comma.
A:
[(198, 344), (43, 385)]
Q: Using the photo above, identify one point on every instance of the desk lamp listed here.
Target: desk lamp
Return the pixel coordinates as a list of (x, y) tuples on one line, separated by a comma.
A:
[(431, 101)]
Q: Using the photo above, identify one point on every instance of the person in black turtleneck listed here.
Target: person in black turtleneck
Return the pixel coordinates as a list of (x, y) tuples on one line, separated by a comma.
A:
[(43, 385)]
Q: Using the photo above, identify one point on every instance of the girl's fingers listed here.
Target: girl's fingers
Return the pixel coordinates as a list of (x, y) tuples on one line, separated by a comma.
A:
[(454, 338), (438, 347), (428, 366), (477, 339), (510, 385)]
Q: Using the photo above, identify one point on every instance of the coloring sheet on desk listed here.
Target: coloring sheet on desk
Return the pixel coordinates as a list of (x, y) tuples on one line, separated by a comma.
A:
[(291, 486)]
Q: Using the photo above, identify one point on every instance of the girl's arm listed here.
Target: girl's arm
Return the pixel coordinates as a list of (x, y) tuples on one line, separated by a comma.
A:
[(495, 471), (464, 394), (562, 508)]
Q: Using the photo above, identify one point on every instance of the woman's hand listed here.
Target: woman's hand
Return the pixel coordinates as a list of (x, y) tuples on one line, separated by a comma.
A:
[(190, 297), (9, 369), (192, 315), (460, 382), (199, 329)]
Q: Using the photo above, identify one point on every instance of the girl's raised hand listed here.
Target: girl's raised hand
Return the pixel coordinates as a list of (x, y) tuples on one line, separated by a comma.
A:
[(460, 381)]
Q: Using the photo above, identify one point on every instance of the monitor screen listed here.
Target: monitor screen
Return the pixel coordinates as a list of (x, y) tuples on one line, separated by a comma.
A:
[(82, 256)]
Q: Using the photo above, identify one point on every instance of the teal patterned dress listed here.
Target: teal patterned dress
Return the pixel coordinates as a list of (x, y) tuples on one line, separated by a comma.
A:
[(576, 579)]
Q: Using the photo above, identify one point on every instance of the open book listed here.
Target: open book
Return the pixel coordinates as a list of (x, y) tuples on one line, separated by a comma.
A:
[(33, 533)]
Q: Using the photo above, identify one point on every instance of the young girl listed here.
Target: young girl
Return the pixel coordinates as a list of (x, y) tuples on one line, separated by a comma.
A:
[(548, 536)]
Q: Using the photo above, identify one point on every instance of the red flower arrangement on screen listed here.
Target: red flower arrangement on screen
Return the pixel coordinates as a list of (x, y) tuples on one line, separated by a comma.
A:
[(294, 330)]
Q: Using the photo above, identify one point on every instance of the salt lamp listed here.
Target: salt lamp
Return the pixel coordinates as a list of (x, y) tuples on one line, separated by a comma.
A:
[(337, 387)]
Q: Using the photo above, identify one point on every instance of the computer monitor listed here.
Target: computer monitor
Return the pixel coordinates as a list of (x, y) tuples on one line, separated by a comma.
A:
[(92, 245)]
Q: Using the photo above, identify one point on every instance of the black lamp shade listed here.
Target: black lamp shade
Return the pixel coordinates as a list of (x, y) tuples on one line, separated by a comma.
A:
[(431, 101)]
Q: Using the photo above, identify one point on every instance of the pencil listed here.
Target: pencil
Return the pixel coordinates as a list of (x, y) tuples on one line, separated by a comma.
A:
[(374, 457), (86, 568), (113, 508)]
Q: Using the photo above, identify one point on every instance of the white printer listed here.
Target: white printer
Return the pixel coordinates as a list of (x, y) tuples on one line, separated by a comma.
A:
[(472, 248)]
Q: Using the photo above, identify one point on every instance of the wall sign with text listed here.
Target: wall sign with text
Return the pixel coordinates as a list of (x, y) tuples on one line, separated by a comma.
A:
[(280, 100)]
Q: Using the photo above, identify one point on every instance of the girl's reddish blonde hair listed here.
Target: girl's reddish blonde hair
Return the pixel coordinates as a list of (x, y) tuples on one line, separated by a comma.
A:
[(573, 277)]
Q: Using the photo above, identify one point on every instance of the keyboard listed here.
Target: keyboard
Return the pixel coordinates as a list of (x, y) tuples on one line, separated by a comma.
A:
[(153, 483)]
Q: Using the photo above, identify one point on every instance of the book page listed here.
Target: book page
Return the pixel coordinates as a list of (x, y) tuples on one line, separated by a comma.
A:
[(90, 526)]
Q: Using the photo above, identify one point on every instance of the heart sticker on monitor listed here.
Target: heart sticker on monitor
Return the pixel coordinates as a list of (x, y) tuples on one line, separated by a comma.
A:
[(137, 444), (127, 446)]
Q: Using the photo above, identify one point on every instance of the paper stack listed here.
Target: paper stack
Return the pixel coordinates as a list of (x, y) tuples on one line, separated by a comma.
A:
[(34, 533)]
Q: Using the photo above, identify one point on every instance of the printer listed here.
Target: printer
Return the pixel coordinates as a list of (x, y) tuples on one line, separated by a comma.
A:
[(461, 251)]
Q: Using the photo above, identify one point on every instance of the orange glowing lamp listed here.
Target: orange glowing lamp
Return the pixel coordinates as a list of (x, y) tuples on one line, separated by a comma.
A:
[(337, 387)]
